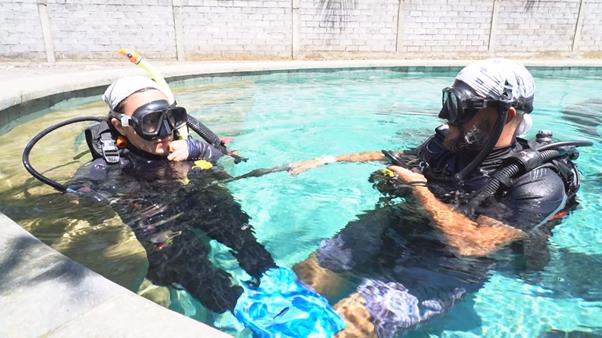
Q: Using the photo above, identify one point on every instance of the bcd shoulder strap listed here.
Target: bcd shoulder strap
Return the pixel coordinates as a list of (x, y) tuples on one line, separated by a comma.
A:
[(101, 142)]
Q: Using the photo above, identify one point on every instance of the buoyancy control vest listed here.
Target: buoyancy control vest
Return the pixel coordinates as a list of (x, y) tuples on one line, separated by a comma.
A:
[(497, 174), (101, 140)]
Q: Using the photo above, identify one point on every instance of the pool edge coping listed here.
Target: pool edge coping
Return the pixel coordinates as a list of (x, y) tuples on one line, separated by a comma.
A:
[(46, 294)]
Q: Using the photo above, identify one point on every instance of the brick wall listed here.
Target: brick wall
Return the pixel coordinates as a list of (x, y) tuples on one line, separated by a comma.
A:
[(348, 25), (445, 25), (591, 31), (219, 27), (193, 29), (20, 30), (536, 26), (97, 28)]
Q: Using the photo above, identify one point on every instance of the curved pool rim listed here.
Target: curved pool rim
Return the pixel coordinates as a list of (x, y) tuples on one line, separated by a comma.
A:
[(31, 93)]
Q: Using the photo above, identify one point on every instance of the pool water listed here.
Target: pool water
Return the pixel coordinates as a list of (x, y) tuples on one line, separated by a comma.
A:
[(288, 116)]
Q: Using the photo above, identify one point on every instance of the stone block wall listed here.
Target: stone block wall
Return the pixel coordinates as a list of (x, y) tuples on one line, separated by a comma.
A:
[(197, 29), (239, 27), (536, 26), (20, 30), (591, 29), (445, 25), (348, 25), (97, 28)]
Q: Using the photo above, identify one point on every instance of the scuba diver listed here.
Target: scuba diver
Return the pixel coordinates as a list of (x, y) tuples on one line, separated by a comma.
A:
[(479, 188), (167, 188), (139, 167)]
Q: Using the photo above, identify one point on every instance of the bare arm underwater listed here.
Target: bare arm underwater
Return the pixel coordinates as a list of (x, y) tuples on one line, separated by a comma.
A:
[(467, 237), (298, 167)]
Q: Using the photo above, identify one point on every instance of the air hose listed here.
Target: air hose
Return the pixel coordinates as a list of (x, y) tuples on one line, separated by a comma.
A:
[(521, 163), (211, 138), (35, 139), (491, 141)]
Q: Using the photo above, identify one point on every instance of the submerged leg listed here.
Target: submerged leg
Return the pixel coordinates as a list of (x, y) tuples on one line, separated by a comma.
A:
[(225, 221), (355, 245), (324, 281), (184, 262)]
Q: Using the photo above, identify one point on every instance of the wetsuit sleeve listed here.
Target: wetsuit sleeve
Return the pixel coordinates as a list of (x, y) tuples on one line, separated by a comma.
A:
[(532, 199), (89, 176), (199, 150), (90, 182)]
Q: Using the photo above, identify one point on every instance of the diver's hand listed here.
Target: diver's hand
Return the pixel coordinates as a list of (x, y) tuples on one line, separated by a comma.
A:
[(178, 150), (298, 167), (407, 176)]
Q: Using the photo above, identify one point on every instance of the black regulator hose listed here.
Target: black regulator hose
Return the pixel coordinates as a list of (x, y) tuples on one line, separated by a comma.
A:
[(566, 144), (35, 139), (513, 169), (206, 133), (491, 141), (211, 138)]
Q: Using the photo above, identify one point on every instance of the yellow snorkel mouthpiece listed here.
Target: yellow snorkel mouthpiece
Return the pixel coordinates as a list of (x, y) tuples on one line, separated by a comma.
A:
[(133, 56)]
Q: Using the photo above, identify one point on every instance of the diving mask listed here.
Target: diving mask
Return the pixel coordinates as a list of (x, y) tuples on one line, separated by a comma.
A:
[(460, 103), (155, 120)]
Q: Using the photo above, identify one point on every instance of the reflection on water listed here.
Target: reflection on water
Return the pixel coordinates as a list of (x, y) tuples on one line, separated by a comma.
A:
[(585, 116), (280, 118)]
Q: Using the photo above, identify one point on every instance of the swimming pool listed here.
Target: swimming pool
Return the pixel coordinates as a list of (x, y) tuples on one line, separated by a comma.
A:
[(282, 117)]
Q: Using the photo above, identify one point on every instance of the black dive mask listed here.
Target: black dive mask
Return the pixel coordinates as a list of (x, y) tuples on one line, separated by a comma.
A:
[(155, 120), (460, 103)]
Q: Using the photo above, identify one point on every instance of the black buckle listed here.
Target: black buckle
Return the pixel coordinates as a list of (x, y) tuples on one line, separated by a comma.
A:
[(110, 152)]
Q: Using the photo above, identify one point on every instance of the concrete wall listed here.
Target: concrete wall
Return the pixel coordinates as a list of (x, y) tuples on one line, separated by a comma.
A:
[(591, 33), (97, 28), (196, 29), (243, 27), (445, 26), (348, 25), (20, 30), (536, 27)]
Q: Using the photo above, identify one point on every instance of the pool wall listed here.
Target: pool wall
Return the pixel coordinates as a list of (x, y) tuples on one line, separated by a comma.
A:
[(294, 29), (45, 294)]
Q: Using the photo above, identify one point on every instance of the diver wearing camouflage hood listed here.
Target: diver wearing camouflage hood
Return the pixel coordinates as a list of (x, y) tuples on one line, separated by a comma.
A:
[(479, 187)]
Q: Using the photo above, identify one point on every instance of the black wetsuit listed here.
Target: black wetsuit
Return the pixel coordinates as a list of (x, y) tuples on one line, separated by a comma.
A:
[(174, 220), (409, 275)]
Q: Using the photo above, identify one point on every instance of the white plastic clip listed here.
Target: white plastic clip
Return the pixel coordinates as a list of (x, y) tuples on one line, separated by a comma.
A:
[(125, 120)]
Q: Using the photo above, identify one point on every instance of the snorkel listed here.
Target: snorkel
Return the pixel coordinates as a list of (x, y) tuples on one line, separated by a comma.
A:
[(137, 59), (152, 72)]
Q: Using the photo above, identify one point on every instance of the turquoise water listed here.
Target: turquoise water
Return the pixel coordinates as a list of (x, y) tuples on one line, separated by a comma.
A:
[(289, 117), (284, 117)]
